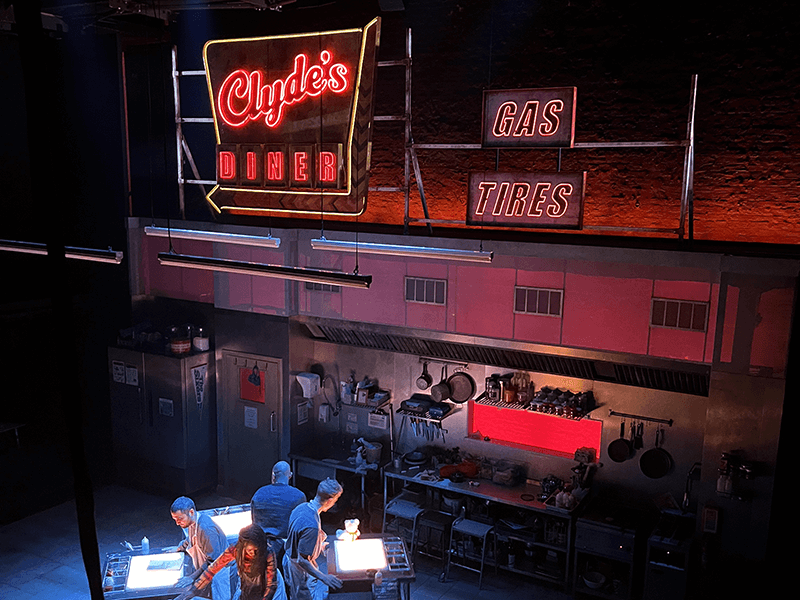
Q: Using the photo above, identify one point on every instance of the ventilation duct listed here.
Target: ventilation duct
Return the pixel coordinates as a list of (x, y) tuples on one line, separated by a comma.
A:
[(682, 378)]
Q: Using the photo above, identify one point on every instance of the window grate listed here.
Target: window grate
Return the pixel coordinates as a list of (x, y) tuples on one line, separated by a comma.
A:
[(426, 291), (322, 287), (538, 301), (679, 314)]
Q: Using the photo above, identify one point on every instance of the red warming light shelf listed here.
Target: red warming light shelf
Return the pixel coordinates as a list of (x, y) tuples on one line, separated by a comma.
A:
[(529, 430)]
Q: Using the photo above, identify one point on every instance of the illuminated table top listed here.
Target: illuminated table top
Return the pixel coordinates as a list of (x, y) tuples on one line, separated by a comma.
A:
[(232, 523), (359, 555), (155, 570)]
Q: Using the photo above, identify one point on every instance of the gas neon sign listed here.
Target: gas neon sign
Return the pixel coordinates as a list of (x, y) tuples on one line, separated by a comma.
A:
[(529, 118), (545, 200)]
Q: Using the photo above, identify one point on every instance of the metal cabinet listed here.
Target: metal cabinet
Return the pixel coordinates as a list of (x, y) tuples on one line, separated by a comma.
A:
[(163, 418)]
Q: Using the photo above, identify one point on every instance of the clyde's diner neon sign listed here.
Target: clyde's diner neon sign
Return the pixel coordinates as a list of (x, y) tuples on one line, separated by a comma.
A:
[(244, 96)]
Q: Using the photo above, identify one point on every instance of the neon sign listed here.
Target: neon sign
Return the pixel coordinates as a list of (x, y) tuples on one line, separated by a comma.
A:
[(292, 117), (546, 200), (529, 118), (244, 97)]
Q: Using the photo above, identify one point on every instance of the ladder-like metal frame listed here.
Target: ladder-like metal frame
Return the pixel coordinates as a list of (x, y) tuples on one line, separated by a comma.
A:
[(411, 159)]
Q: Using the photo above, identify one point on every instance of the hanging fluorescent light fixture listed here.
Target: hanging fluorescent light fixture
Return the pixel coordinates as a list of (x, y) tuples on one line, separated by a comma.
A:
[(395, 250), (248, 268), (214, 236), (90, 254)]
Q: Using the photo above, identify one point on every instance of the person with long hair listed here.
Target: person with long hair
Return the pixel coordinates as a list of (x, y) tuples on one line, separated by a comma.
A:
[(259, 577)]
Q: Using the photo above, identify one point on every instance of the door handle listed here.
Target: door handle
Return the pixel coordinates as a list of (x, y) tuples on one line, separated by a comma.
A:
[(272, 421)]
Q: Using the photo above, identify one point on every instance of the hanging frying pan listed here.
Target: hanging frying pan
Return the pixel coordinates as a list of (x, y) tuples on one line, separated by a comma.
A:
[(656, 462), (462, 387), (425, 380), (441, 391), (620, 449)]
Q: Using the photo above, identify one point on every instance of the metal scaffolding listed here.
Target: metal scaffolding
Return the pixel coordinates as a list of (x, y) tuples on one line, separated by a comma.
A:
[(411, 160)]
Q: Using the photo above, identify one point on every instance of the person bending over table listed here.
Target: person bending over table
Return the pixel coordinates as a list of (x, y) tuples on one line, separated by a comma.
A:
[(305, 542), (259, 577)]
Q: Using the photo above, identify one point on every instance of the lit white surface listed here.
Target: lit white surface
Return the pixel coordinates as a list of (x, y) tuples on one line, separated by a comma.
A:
[(359, 555), (232, 523), (155, 570)]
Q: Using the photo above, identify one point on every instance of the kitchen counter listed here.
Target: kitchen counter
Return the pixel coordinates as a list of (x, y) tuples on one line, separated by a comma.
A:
[(319, 468), (510, 496)]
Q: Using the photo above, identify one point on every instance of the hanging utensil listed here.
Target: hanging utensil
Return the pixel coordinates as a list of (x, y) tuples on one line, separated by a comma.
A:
[(441, 391), (638, 441), (620, 449), (425, 380), (462, 387), (656, 462)]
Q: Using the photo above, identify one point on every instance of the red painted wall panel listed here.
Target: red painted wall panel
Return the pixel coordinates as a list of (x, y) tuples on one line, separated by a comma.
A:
[(485, 301), (239, 287), (696, 291), (536, 328), (176, 282), (269, 292), (196, 284), (771, 335), (384, 302), (675, 343), (606, 313)]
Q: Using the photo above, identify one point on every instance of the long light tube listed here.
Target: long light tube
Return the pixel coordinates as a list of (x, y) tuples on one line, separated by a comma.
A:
[(248, 268), (90, 254), (213, 236), (393, 250)]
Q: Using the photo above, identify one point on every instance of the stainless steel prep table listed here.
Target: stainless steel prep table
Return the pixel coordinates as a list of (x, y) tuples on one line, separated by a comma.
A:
[(320, 468), (557, 541)]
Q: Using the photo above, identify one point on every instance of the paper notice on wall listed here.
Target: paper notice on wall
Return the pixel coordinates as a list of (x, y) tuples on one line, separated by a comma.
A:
[(378, 421), (251, 417), (302, 413), (131, 375), (199, 381), (165, 407), (118, 371)]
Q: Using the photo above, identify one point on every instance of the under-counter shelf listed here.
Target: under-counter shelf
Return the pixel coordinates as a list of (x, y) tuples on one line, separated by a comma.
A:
[(426, 416)]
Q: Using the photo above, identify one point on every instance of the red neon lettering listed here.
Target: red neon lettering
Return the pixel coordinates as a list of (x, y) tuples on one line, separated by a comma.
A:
[(502, 192), (251, 166), (301, 166), (560, 203), (538, 199), (275, 166), (243, 97), (527, 120), (227, 165), (516, 203), (551, 120), (327, 160), (504, 119), (486, 188)]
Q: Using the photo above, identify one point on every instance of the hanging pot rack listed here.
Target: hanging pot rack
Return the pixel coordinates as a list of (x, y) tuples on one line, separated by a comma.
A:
[(614, 413)]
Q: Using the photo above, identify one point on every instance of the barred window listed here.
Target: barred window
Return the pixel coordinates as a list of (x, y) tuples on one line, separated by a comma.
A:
[(322, 287), (679, 314), (426, 291), (538, 301)]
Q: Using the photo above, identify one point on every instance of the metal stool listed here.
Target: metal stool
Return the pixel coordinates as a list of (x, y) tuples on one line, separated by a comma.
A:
[(472, 529), (403, 509), (433, 520)]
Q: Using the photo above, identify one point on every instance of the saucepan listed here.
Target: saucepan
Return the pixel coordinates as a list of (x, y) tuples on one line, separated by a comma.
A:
[(462, 387), (441, 391)]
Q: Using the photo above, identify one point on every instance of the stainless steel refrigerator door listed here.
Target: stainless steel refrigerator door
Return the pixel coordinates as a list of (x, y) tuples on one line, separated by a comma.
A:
[(249, 443), (165, 397), (129, 417)]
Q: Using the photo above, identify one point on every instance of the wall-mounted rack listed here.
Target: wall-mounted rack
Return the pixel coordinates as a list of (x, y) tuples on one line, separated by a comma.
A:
[(614, 413), (443, 361)]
